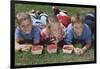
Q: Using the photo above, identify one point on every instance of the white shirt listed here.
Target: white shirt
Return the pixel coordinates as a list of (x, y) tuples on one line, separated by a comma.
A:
[(41, 21)]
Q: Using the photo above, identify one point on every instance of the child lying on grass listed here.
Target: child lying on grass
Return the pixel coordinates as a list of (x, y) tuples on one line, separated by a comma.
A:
[(90, 21), (39, 18), (25, 32), (78, 33), (54, 32)]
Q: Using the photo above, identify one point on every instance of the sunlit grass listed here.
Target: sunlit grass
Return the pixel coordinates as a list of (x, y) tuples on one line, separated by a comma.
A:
[(27, 58)]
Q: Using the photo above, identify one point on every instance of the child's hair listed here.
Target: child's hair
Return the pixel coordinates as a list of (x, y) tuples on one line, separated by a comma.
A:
[(22, 16), (56, 10), (76, 19)]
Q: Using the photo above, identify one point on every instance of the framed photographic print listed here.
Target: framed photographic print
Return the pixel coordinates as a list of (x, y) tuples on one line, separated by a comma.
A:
[(52, 34)]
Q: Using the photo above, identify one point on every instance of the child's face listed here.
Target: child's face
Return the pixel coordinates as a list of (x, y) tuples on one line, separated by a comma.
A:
[(78, 28), (26, 26)]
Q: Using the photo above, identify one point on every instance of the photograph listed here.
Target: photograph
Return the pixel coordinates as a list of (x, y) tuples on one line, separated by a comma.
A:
[(52, 34)]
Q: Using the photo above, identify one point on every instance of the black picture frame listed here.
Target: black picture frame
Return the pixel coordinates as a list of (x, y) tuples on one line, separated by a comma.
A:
[(12, 30)]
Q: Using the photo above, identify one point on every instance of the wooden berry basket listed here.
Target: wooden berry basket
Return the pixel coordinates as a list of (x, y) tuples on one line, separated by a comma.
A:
[(37, 49), (67, 49), (52, 48)]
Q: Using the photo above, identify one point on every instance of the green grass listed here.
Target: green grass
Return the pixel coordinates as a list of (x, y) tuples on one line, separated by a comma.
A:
[(48, 8), (27, 58)]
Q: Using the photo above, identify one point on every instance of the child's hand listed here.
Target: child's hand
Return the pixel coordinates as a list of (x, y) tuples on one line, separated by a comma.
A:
[(17, 48), (25, 47), (78, 51)]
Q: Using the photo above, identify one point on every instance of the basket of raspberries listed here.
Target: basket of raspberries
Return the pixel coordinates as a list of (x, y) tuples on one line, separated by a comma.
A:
[(37, 49), (68, 49), (52, 48)]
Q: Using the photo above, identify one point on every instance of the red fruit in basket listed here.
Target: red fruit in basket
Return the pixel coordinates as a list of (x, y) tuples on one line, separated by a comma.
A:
[(52, 46), (37, 47), (68, 47)]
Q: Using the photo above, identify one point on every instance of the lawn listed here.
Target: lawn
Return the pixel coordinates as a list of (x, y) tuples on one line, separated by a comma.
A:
[(27, 58), (48, 9)]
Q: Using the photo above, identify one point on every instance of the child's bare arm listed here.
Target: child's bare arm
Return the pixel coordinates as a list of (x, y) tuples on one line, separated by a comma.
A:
[(17, 46), (22, 47), (86, 47), (79, 51)]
